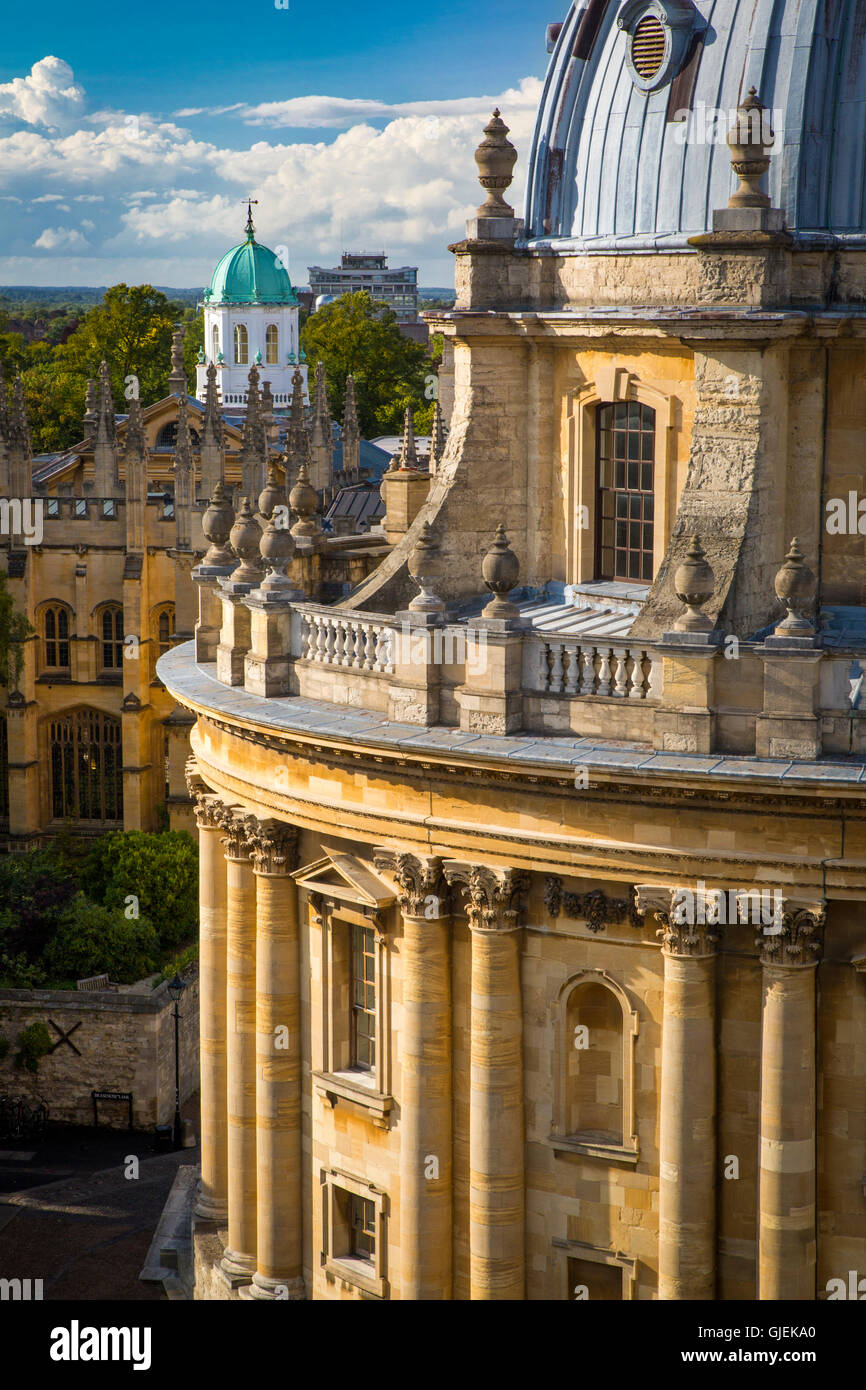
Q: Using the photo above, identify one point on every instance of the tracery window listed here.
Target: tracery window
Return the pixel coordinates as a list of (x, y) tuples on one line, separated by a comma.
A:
[(56, 637), (86, 767), (111, 627), (625, 471)]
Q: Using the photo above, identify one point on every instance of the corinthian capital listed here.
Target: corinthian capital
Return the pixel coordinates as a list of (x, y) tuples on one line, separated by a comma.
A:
[(273, 846), (421, 885), (796, 937), (209, 811), (237, 837), (493, 897), (679, 931)]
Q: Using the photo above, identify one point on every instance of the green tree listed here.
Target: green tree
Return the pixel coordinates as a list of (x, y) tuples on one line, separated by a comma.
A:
[(131, 331), (158, 871), (14, 629), (355, 336), (96, 940)]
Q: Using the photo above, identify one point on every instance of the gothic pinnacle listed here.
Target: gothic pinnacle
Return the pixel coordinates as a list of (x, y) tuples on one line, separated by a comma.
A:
[(408, 457)]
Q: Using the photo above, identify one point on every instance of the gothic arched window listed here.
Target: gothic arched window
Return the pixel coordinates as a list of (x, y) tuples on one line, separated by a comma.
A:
[(215, 342), (272, 345), (241, 344), (162, 631), (625, 468), (111, 629), (56, 633), (86, 767)]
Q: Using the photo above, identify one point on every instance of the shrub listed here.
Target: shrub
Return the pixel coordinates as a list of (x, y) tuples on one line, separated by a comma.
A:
[(16, 972), (36, 889), (178, 965), (96, 940), (160, 870), (34, 1042)]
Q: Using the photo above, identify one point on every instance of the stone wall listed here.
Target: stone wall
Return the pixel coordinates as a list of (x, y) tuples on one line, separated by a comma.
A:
[(126, 1042)]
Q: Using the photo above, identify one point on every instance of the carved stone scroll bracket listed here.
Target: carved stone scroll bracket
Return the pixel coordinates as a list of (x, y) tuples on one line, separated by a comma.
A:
[(595, 907)]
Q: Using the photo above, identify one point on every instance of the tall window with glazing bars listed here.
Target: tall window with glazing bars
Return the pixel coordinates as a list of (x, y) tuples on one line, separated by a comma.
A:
[(625, 512)]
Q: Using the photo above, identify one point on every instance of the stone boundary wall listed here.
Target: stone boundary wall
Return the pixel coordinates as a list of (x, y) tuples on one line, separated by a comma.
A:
[(126, 1041)]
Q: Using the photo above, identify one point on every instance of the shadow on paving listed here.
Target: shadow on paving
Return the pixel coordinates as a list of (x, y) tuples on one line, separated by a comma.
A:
[(70, 1217)]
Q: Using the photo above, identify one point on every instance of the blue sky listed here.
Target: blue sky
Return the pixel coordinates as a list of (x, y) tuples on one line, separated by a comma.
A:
[(129, 134)]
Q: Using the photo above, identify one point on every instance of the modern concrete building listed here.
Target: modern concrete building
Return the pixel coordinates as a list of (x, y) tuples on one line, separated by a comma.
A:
[(396, 286), (534, 926)]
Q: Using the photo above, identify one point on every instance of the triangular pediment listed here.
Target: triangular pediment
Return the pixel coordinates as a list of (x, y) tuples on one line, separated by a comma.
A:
[(345, 878)]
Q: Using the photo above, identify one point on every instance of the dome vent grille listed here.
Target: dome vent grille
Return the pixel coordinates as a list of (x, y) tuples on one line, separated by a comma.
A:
[(648, 47)]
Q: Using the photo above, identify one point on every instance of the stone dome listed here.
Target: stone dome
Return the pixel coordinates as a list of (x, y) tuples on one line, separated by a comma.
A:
[(629, 149), (250, 274)]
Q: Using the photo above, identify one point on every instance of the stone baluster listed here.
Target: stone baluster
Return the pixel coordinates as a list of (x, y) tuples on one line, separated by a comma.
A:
[(587, 680), (571, 684), (555, 667), (620, 672), (603, 671), (637, 691)]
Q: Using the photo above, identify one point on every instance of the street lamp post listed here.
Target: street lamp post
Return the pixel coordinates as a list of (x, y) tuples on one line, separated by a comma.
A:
[(176, 988)]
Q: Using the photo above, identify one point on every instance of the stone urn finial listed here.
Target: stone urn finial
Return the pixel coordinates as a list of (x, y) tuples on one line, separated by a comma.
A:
[(500, 569), (495, 157), (304, 500), (425, 567), (271, 494), (217, 524), (795, 586), (750, 141), (276, 549), (694, 584), (245, 537)]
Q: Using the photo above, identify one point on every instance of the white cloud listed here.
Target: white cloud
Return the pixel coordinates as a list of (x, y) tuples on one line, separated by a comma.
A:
[(88, 225), (171, 203), (56, 238), (47, 96)]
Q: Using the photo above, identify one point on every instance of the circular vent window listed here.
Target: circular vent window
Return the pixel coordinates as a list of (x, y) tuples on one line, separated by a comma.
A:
[(648, 47)]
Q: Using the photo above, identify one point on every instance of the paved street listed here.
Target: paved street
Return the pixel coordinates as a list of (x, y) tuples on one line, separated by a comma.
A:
[(70, 1216)]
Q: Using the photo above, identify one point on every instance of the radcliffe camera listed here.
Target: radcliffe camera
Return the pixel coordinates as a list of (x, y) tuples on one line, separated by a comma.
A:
[(432, 655)]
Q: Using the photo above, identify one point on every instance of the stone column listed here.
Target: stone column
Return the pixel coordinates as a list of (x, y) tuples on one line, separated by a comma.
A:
[(279, 1264), (425, 1058), (496, 1125), (239, 1260), (787, 1238), (687, 1111), (210, 814)]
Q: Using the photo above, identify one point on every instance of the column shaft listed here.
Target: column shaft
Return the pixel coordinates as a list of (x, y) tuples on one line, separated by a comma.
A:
[(496, 1168), (278, 1089), (213, 1200), (239, 1257), (786, 1192), (425, 1110), (687, 1129)]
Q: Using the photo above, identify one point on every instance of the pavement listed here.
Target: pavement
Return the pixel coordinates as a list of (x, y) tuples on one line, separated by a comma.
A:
[(70, 1215)]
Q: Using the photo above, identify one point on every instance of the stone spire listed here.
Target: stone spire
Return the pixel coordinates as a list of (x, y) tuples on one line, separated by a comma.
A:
[(321, 436), (213, 454), (135, 457), (105, 446), (91, 400), (177, 384), (408, 456), (20, 457), (253, 445), (184, 480), (297, 438), (351, 435), (269, 419), (437, 437)]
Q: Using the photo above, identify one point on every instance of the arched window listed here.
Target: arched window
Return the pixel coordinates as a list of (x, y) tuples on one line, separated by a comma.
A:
[(215, 341), (241, 344), (166, 440), (111, 630), (86, 767), (625, 467), (272, 344), (162, 631), (594, 1093), (56, 634)]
